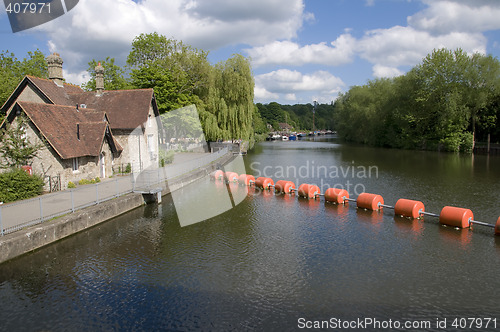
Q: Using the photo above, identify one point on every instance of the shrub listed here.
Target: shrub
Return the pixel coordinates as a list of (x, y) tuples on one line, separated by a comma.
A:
[(97, 180), (84, 181), (467, 142), (166, 157), (71, 185), (128, 169), (17, 184)]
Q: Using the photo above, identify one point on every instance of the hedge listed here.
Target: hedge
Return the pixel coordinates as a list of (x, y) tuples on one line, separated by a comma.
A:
[(17, 184)]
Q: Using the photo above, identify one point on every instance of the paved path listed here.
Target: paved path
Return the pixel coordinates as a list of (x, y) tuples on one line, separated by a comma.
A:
[(65, 201)]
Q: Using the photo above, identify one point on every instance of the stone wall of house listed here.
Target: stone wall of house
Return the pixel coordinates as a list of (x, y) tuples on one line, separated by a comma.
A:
[(49, 164), (27, 95), (136, 149)]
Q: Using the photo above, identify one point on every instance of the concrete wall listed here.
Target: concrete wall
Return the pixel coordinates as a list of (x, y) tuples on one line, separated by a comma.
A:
[(31, 238), (35, 237)]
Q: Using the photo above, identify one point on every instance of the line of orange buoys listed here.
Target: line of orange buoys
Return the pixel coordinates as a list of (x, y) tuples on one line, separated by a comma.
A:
[(450, 215)]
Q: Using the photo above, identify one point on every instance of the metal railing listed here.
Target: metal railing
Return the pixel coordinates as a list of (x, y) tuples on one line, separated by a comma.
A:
[(17, 215)]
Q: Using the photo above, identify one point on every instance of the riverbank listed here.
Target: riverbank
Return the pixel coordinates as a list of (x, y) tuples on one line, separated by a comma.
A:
[(35, 237)]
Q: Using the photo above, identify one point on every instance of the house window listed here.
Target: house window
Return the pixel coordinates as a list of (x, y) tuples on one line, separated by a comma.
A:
[(75, 165), (150, 122), (151, 147)]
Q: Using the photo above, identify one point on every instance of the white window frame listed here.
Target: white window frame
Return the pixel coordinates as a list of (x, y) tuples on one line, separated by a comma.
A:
[(75, 165), (151, 146)]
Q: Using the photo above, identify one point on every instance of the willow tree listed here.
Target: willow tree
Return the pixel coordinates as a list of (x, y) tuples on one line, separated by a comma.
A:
[(229, 103)]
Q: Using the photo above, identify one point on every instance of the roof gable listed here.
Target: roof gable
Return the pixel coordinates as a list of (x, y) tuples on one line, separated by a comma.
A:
[(58, 94), (71, 132), (126, 109)]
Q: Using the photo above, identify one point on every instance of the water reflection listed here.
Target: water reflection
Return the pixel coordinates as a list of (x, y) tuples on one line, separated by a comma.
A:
[(272, 258)]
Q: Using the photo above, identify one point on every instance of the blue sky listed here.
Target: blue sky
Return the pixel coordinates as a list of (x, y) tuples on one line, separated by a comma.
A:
[(301, 50)]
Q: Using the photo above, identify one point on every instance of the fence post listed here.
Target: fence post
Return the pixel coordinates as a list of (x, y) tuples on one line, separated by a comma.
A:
[(72, 201), (97, 193), (41, 208), (1, 225)]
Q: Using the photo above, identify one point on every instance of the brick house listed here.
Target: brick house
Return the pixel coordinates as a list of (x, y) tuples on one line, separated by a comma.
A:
[(86, 134)]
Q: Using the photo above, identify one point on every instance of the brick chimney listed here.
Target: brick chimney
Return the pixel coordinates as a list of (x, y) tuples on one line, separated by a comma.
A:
[(54, 65), (99, 79)]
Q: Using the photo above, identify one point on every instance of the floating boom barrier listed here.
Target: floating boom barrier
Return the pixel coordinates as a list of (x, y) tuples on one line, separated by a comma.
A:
[(450, 215)]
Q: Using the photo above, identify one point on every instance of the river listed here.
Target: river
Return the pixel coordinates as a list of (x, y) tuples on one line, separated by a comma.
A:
[(279, 263)]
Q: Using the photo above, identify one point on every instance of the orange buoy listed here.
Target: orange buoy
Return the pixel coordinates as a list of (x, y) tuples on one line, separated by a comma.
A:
[(456, 217), (232, 176), (336, 195), (246, 179), (283, 186), (497, 227), (408, 208), (369, 201), (308, 190), (218, 175), (264, 183)]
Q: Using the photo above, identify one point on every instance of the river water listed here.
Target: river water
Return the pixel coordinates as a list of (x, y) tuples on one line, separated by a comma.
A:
[(279, 263)]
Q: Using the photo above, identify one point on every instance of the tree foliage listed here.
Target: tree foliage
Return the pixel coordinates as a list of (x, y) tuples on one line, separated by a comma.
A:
[(13, 70), (15, 148), (436, 105), (299, 116), (16, 184), (175, 71), (114, 76), (181, 75), (228, 101)]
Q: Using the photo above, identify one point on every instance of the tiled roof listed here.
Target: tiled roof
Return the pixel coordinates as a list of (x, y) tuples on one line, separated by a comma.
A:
[(60, 125), (59, 95), (126, 109)]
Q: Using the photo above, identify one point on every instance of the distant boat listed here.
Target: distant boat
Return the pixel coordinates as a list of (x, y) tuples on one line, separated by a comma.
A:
[(301, 135), (285, 138), (292, 138)]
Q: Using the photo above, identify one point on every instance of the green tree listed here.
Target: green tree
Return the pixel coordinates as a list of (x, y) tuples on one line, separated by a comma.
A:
[(114, 76), (229, 100), (438, 104), (181, 75), (15, 148), (13, 70), (176, 71)]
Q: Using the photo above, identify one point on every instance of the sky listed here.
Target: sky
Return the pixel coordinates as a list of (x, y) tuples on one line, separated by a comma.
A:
[(301, 50)]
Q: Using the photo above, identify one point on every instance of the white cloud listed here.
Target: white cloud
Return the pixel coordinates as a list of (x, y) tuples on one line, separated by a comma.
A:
[(443, 17), (291, 83), (384, 71), (262, 94), (96, 28), (76, 78), (398, 46), (337, 53)]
